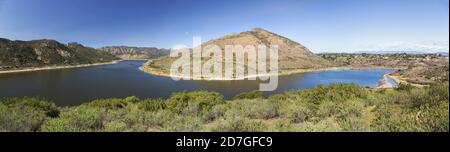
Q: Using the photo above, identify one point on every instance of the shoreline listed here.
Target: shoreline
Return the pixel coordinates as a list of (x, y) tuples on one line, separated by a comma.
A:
[(57, 67), (401, 80), (385, 84), (158, 72)]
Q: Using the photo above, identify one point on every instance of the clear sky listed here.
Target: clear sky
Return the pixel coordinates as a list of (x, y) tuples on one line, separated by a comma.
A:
[(321, 25)]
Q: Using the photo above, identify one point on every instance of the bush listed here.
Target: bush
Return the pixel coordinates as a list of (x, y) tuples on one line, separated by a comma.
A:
[(334, 93), (249, 95), (237, 124), (48, 107), (439, 93), (115, 126), (404, 87), (433, 118), (216, 112), (203, 100), (183, 124), (235, 121), (319, 94), (152, 105), (295, 113), (256, 108), (326, 125), (132, 99), (82, 118), (159, 119), (25, 114), (112, 103), (419, 109), (133, 116), (60, 125)]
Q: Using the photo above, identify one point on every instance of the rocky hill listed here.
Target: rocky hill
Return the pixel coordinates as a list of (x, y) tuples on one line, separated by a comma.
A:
[(291, 55), (38, 53), (125, 52)]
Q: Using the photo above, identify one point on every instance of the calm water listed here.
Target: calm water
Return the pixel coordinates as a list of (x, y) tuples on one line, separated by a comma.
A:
[(75, 86)]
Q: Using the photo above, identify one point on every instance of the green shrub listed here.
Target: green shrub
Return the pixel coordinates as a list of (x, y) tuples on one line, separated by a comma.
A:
[(152, 105), (183, 124), (334, 92), (235, 121), (21, 119), (48, 107), (132, 99), (25, 114), (317, 95), (296, 113), (404, 87), (438, 92), (249, 95), (159, 119), (256, 108), (433, 118), (133, 116), (419, 109), (237, 124), (112, 103), (203, 100), (115, 126), (82, 118), (216, 112), (326, 125), (61, 125)]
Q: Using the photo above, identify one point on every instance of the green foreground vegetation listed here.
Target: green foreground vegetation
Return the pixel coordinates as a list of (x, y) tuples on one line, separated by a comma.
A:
[(337, 107)]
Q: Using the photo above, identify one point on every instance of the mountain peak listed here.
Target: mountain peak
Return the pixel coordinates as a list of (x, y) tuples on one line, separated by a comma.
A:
[(258, 29)]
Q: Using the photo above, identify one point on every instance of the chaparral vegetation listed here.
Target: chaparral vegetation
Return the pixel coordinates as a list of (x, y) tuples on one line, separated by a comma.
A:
[(337, 107)]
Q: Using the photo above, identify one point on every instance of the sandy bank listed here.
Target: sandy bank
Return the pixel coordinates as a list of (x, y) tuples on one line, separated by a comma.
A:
[(384, 83), (57, 67), (401, 80)]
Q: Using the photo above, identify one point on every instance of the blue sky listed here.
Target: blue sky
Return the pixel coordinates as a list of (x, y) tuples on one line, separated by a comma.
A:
[(321, 25)]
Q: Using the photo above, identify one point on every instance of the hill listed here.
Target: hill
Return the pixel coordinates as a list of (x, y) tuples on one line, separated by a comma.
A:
[(39, 53), (291, 55)]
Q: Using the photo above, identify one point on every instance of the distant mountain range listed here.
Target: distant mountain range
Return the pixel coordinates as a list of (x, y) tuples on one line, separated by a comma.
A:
[(401, 52), (37, 53), (126, 52), (442, 53)]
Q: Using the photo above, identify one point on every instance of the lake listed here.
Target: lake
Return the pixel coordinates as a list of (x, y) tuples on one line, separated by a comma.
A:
[(77, 85)]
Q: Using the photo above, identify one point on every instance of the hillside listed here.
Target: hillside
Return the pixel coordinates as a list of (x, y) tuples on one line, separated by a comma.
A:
[(127, 53), (421, 69), (38, 53), (291, 55)]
